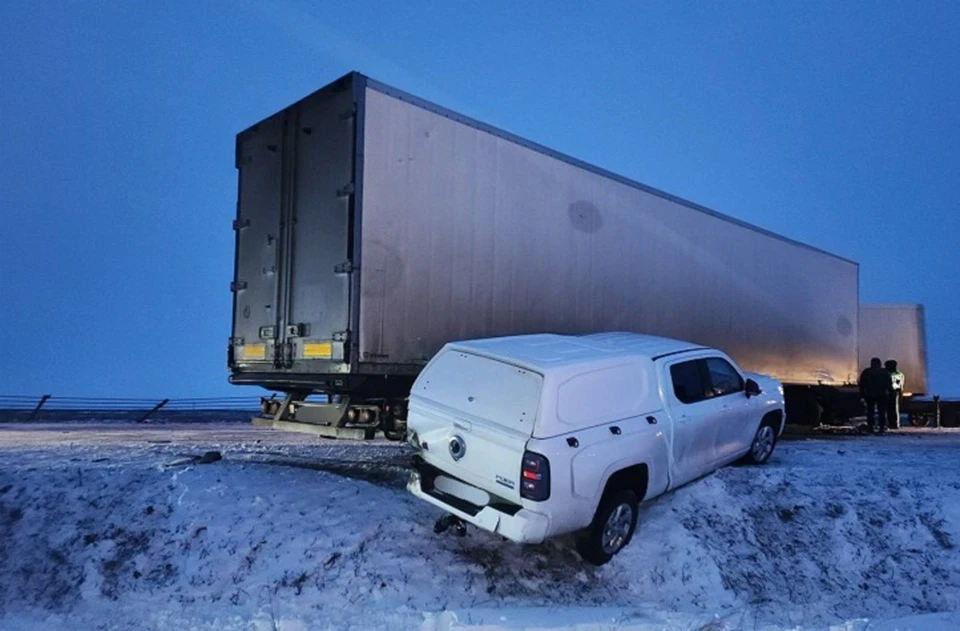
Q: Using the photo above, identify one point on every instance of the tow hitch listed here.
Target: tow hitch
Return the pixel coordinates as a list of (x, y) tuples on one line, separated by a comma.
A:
[(447, 521)]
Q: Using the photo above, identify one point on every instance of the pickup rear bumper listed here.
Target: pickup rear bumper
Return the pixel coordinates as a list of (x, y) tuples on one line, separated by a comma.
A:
[(508, 520)]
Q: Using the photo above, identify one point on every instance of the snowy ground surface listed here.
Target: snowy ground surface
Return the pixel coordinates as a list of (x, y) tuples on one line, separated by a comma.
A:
[(118, 527)]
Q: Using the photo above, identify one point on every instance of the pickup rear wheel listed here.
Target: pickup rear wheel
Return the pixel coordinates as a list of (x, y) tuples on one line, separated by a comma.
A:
[(763, 443), (612, 527)]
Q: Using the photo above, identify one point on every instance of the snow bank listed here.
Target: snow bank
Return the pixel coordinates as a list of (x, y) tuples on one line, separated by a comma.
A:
[(102, 532)]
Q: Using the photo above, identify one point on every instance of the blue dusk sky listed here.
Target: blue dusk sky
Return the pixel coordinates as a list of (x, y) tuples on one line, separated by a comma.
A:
[(833, 123)]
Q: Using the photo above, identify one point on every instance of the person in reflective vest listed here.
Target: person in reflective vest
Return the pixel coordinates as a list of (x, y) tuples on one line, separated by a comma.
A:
[(893, 405)]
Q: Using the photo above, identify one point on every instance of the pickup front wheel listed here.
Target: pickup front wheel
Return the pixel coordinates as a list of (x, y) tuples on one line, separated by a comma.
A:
[(763, 443), (612, 527)]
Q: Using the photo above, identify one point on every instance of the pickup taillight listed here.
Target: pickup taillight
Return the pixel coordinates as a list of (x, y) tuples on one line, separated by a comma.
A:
[(534, 477)]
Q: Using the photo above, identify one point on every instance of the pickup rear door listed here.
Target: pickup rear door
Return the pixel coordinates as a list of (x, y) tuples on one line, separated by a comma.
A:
[(696, 418)]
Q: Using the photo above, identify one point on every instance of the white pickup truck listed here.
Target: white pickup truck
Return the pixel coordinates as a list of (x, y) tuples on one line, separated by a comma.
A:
[(540, 435)]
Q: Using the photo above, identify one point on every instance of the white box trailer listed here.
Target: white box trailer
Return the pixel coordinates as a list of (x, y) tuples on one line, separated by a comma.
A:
[(373, 227), (885, 331), (896, 332)]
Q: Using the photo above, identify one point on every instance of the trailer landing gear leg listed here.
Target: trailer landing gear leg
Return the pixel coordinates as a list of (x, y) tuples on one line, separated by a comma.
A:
[(448, 521)]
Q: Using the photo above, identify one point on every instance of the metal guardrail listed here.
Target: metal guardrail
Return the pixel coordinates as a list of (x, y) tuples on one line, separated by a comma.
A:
[(34, 408)]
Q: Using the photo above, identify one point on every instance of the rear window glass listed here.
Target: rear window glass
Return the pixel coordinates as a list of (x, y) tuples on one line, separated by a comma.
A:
[(486, 388), (688, 383)]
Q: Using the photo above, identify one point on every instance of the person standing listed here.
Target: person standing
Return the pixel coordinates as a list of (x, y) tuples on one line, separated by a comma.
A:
[(893, 404), (876, 384)]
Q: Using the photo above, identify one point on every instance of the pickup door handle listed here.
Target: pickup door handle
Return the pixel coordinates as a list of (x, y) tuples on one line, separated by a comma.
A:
[(614, 430), (652, 420)]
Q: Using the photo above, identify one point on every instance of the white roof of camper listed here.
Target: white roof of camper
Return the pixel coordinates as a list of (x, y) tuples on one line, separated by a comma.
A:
[(547, 352), (576, 369)]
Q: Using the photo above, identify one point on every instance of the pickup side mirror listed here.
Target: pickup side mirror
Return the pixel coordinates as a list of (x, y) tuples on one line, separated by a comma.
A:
[(752, 388)]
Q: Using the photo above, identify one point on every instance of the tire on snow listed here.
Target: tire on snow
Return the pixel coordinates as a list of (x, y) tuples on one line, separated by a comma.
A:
[(763, 443), (612, 528)]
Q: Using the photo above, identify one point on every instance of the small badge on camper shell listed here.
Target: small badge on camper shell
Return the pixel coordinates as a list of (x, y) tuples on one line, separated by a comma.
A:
[(505, 482)]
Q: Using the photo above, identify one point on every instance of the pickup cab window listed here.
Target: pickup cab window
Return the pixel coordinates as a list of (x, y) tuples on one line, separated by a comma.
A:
[(689, 384), (724, 378)]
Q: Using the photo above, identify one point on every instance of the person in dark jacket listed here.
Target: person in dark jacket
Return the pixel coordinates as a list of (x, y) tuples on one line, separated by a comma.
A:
[(876, 386)]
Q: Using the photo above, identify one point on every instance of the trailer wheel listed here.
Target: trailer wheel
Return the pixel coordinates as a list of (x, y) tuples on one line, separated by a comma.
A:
[(394, 428), (612, 528)]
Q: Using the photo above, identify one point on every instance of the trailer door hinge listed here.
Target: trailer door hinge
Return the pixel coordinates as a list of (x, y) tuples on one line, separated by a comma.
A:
[(345, 191), (298, 330), (344, 268), (238, 224), (238, 285)]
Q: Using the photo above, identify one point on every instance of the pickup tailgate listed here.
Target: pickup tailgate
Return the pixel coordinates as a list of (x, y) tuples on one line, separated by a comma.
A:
[(473, 416)]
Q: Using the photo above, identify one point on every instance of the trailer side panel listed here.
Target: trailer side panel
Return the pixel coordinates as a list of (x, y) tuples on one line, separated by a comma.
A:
[(468, 233)]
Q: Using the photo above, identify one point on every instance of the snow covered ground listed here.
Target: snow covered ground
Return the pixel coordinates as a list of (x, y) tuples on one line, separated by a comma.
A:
[(119, 527)]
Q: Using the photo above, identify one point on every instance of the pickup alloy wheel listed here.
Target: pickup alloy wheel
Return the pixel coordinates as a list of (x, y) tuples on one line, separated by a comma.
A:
[(763, 443), (612, 528), (617, 529)]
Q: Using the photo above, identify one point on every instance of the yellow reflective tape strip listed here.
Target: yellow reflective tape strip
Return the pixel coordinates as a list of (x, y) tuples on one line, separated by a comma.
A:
[(323, 350), (253, 351)]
